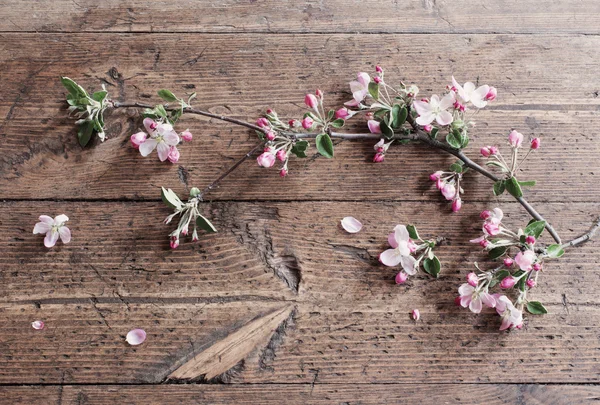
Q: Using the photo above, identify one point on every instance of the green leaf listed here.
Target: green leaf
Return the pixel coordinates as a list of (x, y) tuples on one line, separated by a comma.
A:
[(434, 132), (167, 95), (432, 266), (456, 168), (84, 134), (528, 183), (535, 228), (400, 114), (205, 224), (412, 232), (554, 251), (499, 187), (536, 308), (76, 90), (380, 113), (330, 114), (160, 111), (324, 145), (499, 276), (464, 140), (497, 252), (99, 96), (170, 198), (513, 187), (454, 139), (374, 90), (299, 149), (387, 132), (338, 123), (521, 283)]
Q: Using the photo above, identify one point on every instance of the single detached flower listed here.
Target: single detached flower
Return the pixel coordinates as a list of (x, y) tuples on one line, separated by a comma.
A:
[(53, 228), (162, 138), (435, 109), (402, 247), (477, 96)]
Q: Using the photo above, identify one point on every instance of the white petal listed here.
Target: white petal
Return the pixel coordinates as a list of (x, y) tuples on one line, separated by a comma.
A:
[(408, 264), (421, 107), (448, 101), (172, 138), (136, 337), (390, 257), (37, 325), (392, 240), (444, 118), (65, 234), (364, 78), (351, 225), (425, 119), (41, 227), (50, 239), (148, 146), (469, 88), (401, 233), (60, 219), (163, 151), (46, 219), (475, 306), (466, 289)]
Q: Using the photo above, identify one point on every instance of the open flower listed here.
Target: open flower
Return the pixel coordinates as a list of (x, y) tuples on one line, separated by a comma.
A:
[(402, 247), (162, 138), (511, 316), (359, 89), (53, 228), (468, 93), (435, 109), (475, 297), (525, 259)]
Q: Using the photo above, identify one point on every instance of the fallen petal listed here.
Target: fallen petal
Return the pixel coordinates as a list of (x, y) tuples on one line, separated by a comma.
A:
[(351, 225), (37, 325), (136, 337)]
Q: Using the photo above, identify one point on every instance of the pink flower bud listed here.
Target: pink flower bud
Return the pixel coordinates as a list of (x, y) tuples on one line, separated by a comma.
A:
[(174, 242), (449, 191), (472, 279), (173, 155), (530, 240), (307, 123), (456, 205), (270, 135), (293, 123), (515, 139), (269, 111), (401, 277), (457, 301), (425, 100), (508, 282), (319, 93), (281, 155), (508, 262), (262, 122), (458, 106), (377, 79), (342, 113), (186, 136), (266, 159), (485, 214), (378, 158), (427, 128), (535, 143), (435, 176), (531, 283), (374, 126), (311, 101), (484, 243), (416, 315), (283, 172), (378, 69), (137, 139), (439, 184), (493, 150), (537, 267), (491, 94), (485, 151), (369, 115)]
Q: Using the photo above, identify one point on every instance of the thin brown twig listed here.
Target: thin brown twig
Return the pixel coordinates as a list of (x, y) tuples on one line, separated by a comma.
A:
[(585, 237)]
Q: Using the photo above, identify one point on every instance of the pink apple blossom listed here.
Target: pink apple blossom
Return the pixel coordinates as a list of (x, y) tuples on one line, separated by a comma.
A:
[(281, 155), (174, 242), (485, 151), (186, 136), (468, 93), (427, 128), (307, 123), (161, 139), (485, 214), (378, 69), (173, 155), (343, 113), (525, 259), (267, 158), (377, 79), (489, 228), (53, 228), (374, 126), (359, 89), (530, 240), (493, 150), (508, 262), (270, 135), (515, 139), (400, 252), (449, 191), (475, 298), (435, 176), (511, 316), (319, 93), (262, 122), (283, 172), (378, 158), (137, 139), (435, 109), (537, 266)]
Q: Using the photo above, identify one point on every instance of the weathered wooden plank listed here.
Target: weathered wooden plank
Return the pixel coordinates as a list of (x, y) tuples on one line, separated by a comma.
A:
[(544, 91), (271, 16), (493, 394), (263, 251)]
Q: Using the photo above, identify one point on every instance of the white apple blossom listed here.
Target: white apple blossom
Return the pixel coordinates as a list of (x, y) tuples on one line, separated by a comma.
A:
[(53, 228), (162, 138), (511, 316), (402, 247), (468, 93), (435, 109)]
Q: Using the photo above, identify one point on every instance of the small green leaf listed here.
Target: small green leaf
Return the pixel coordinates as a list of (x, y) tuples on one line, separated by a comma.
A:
[(381, 113), (299, 149), (400, 114), (528, 183), (456, 168), (99, 96), (521, 283), (324, 145), (76, 90), (170, 198), (554, 251), (205, 224), (432, 266), (84, 134), (536, 308), (374, 90), (497, 252), (535, 228), (513, 187), (412, 232), (167, 95), (454, 139), (338, 123), (434, 132), (499, 187), (330, 114), (160, 111), (387, 132)]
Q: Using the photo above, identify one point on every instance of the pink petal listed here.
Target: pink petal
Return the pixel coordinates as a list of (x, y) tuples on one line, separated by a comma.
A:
[(50, 239), (374, 126), (351, 225), (392, 240), (136, 337), (65, 234), (150, 125), (163, 151), (46, 219), (425, 119), (37, 325), (444, 118)]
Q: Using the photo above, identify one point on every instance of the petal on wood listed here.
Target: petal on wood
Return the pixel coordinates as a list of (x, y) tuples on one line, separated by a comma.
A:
[(227, 352)]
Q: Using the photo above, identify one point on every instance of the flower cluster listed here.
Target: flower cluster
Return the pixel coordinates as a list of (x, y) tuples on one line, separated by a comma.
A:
[(518, 271), (410, 251), (449, 183), (159, 136), (189, 214)]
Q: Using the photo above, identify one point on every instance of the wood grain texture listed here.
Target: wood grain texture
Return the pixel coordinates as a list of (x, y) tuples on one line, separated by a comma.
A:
[(366, 394), (272, 16), (546, 93)]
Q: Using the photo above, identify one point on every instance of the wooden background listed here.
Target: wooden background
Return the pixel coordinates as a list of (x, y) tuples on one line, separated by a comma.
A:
[(282, 306)]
